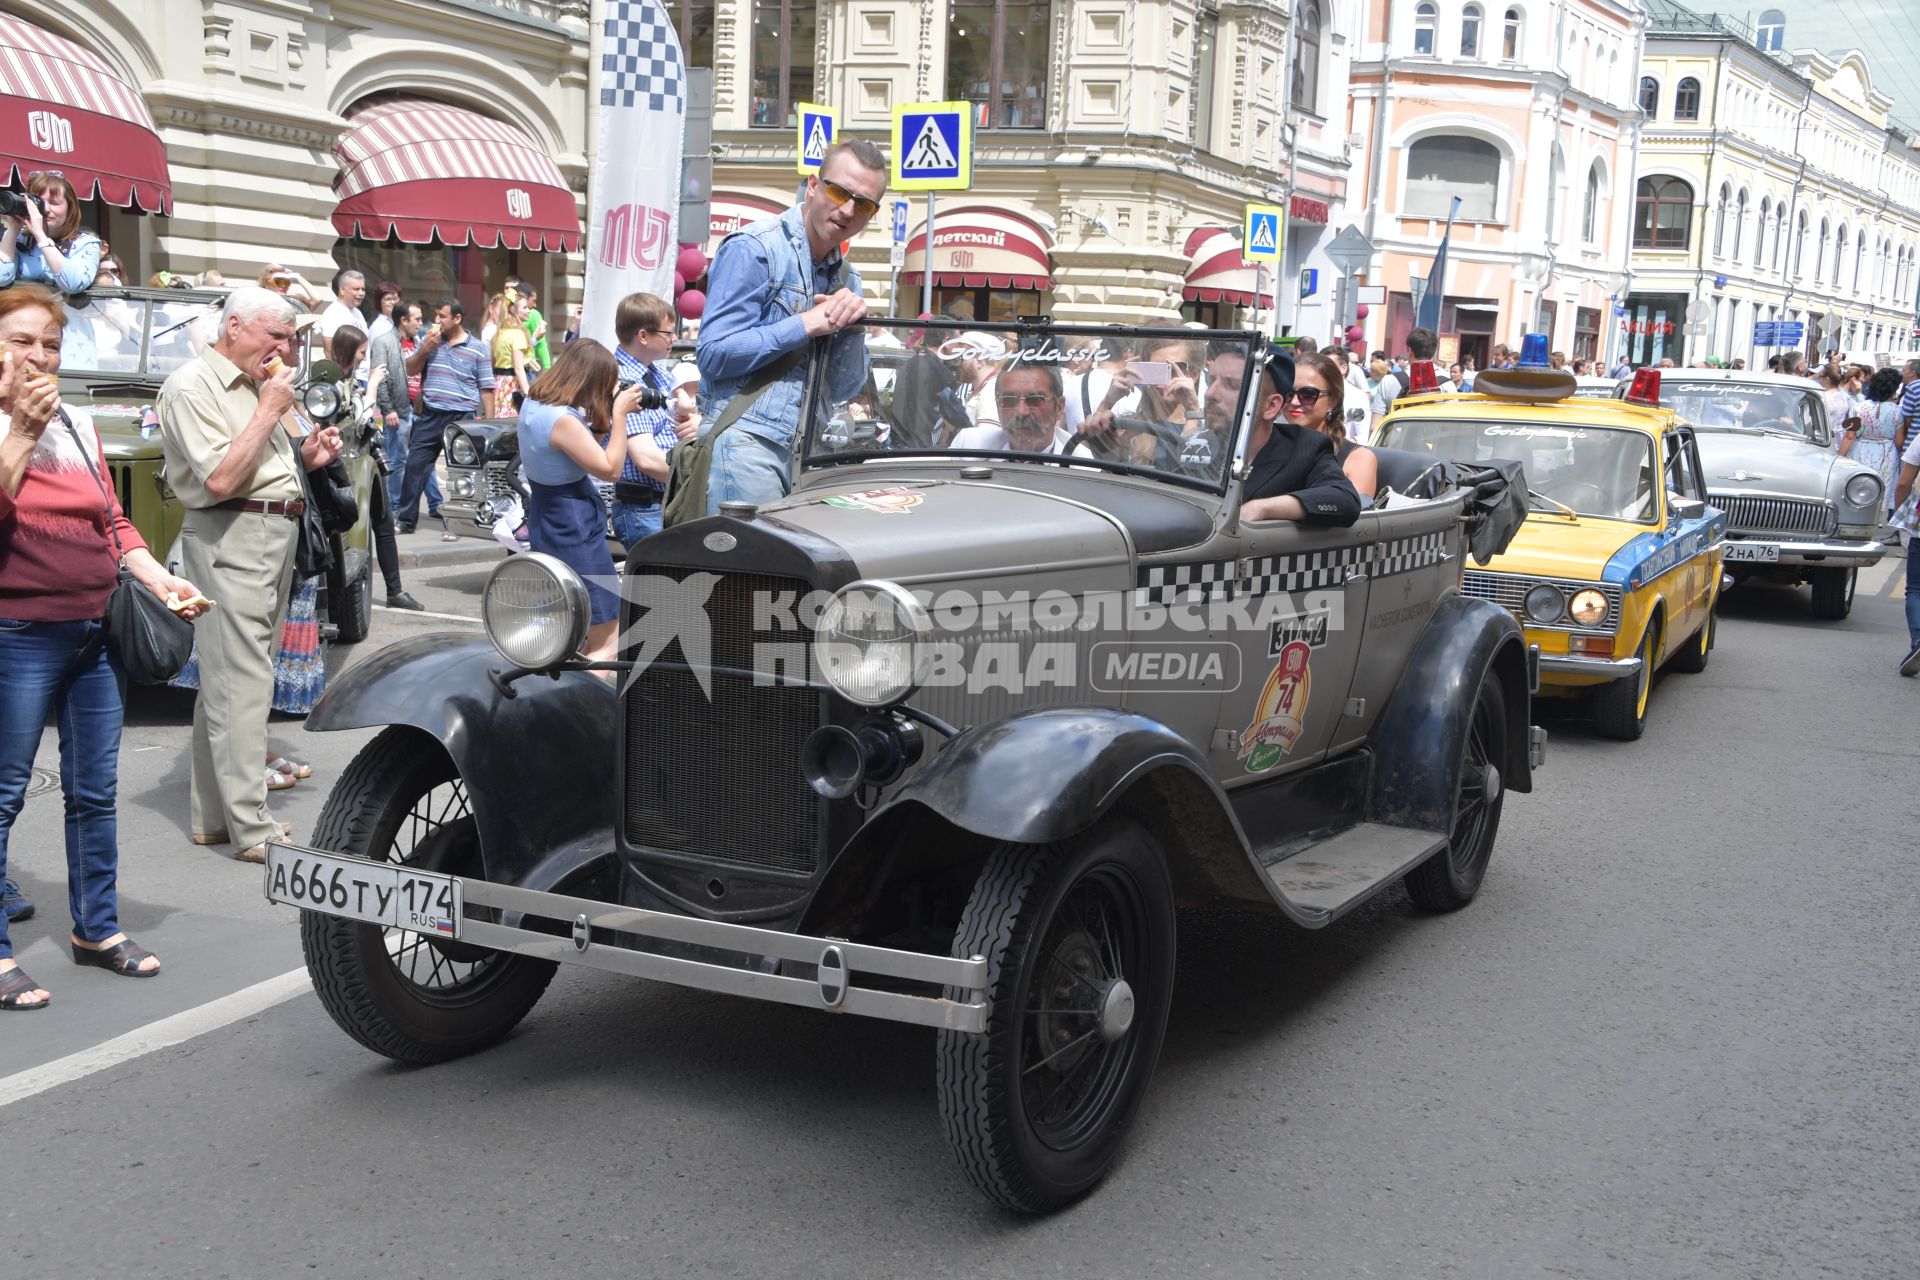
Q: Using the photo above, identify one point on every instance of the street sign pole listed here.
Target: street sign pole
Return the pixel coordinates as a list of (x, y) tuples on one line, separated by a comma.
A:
[(926, 258), (932, 152)]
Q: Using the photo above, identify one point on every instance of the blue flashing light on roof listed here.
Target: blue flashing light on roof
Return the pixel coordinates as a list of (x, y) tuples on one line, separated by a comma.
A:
[(1533, 352), (1532, 377)]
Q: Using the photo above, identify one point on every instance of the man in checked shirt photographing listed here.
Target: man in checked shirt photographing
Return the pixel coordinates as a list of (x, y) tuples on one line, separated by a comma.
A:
[(643, 326)]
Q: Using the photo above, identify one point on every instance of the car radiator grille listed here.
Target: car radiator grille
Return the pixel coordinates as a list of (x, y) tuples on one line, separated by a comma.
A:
[(499, 484), (123, 486), (1509, 591), (719, 779), (1775, 515)]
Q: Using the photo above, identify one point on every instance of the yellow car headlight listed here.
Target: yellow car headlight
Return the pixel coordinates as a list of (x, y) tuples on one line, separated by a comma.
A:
[(1588, 607)]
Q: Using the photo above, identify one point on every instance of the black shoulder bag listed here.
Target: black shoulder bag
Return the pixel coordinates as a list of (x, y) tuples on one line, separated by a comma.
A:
[(150, 641)]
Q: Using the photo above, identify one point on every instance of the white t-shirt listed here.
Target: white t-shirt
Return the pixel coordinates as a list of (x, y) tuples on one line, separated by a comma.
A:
[(993, 439), (338, 314)]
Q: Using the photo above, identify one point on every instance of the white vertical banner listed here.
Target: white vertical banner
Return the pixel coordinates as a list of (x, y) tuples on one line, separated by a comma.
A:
[(633, 192)]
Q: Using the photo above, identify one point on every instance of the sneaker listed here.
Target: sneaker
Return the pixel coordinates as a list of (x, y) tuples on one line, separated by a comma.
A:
[(1911, 665), (18, 905), (401, 600)]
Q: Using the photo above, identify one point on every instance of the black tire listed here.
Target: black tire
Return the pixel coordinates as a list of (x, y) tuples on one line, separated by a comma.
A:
[(1450, 879), (1620, 708), (1092, 910), (1692, 659), (412, 998), (1832, 592), (356, 607)]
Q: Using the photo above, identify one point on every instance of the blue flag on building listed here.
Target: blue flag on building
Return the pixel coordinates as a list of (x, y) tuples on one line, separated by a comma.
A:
[(1428, 317)]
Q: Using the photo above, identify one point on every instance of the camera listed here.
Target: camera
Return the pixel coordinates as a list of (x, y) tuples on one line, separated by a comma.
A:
[(650, 397), (13, 204)]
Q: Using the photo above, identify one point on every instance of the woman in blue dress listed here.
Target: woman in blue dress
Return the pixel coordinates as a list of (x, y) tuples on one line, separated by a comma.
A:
[(568, 441)]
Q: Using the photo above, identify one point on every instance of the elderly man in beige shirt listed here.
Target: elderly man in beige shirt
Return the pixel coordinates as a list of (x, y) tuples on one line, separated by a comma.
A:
[(232, 455)]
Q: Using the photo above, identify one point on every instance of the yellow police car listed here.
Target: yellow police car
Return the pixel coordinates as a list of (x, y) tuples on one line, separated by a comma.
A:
[(1616, 569)]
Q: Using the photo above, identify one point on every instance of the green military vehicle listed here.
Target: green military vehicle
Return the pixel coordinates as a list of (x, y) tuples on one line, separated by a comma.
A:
[(118, 347)]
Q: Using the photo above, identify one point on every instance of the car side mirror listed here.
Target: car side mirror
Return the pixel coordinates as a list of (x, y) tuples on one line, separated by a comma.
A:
[(1686, 508)]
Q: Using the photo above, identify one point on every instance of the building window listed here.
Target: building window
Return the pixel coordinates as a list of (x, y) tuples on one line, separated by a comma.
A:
[(1590, 211), (1649, 96), (783, 44), (1800, 245), (1686, 100), (1586, 333), (1306, 57), (1760, 233), (1820, 253), (1206, 36), (1510, 36), (1439, 169), (1773, 30), (997, 59), (1426, 24), (693, 21), (1470, 19), (1663, 214), (1720, 221), (1739, 222)]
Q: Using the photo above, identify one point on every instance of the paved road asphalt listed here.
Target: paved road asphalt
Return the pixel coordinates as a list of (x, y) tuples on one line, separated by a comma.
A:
[(1673, 1038)]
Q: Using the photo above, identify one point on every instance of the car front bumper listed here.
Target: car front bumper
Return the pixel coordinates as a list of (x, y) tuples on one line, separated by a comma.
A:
[(603, 935), (1838, 552), (1602, 668)]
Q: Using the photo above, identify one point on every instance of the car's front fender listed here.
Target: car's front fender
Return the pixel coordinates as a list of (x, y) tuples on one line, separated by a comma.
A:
[(538, 766)]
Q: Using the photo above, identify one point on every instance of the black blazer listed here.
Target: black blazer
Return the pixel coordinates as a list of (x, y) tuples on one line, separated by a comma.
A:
[(1300, 461)]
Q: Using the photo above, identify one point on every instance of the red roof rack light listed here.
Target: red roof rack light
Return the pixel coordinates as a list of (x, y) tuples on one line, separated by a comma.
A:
[(1645, 388), (1423, 377)]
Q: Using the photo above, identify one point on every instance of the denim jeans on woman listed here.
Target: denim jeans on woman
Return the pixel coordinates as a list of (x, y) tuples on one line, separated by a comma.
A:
[(62, 668)]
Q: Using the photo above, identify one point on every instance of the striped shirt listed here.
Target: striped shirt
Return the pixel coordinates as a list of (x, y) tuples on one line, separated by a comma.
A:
[(1910, 402), (455, 374), (657, 421)]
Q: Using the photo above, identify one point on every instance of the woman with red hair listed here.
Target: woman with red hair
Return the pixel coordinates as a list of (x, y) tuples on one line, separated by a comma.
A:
[(49, 247)]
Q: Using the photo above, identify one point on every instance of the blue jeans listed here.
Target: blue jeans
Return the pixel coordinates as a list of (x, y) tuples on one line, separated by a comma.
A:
[(62, 668), (631, 523), (1913, 590), (425, 439), (393, 441), (748, 468)]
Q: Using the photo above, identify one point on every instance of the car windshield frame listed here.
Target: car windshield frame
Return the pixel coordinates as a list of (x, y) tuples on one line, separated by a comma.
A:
[(151, 322), (1393, 436), (1683, 395), (1033, 341)]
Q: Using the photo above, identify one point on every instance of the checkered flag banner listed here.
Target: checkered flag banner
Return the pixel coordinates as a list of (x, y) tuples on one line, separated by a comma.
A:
[(634, 196)]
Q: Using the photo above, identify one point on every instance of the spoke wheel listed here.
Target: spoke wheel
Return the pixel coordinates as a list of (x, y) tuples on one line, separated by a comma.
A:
[(1079, 939), (408, 996), (1450, 879)]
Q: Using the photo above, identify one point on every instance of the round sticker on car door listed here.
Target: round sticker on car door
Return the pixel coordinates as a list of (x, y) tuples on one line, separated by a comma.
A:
[(1280, 714)]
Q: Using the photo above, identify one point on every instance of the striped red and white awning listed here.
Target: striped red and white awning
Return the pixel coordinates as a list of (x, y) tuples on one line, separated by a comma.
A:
[(731, 210), (418, 169), (974, 247), (63, 108), (1220, 274)]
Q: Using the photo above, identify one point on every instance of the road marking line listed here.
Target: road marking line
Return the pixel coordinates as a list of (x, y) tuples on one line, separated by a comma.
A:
[(428, 613), (164, 1034)]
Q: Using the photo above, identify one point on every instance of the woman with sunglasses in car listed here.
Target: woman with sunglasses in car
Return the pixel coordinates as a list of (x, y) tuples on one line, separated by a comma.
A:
[(48, 245), (1318, 403)]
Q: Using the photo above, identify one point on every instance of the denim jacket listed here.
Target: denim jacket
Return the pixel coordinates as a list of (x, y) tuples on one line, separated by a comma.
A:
[(762, 279)]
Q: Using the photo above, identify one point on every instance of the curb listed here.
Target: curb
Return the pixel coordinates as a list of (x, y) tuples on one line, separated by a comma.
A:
[(449, 554)]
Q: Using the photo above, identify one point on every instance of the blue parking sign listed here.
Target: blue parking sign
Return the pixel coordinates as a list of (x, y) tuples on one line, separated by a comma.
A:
[(899, 221)]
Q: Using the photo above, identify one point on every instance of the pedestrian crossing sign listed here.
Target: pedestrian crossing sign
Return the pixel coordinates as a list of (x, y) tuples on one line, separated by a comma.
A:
[(1260, 233), (933, 146), (813, 135)]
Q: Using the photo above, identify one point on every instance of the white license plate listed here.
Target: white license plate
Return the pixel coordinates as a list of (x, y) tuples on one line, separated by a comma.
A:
[(355, 889), (1753, 551)]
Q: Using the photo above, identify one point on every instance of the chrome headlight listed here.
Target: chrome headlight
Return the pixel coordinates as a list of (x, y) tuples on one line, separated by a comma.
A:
[(1864, 490), (535, 610), (1588, 607), (460, 450), (872, 643), (321, 400), (1546, 604)]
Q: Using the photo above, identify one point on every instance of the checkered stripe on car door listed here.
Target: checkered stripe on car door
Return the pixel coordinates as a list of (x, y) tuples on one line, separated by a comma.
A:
[(1416, 551)]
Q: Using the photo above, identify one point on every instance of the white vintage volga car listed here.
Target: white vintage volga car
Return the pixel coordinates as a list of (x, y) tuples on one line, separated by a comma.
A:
[(1796, 510)]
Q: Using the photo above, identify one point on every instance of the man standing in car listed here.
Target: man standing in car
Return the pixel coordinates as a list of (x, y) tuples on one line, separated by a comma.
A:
[(779, 287)]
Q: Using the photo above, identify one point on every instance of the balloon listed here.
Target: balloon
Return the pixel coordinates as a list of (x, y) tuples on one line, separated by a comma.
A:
[(692, 263), (1360, 309), (1355, 333), (679, 284), (691, 304)]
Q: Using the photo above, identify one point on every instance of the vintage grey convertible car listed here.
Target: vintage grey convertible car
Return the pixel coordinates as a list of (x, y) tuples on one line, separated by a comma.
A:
[(1796, 511), (943, 737)]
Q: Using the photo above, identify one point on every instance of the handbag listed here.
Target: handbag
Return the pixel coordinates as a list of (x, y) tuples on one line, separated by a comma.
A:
[(149, 641), (691, 461)]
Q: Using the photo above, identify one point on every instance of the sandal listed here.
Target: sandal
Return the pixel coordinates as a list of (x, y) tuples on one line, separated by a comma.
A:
[(291, 767), (14, 985), (124, 959), (278, 781)]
